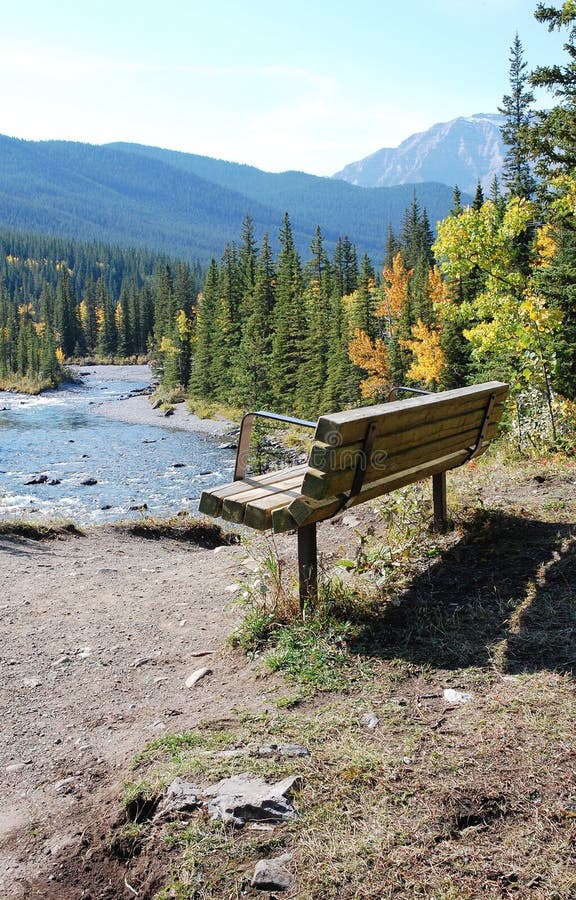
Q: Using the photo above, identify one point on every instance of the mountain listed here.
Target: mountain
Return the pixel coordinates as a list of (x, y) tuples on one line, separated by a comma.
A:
[(460, 152), (190, 206)]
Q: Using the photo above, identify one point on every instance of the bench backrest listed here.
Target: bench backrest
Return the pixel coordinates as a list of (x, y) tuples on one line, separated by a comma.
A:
[(369, 451)]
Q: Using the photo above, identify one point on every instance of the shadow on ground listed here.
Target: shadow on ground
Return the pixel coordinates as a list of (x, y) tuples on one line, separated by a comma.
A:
[(504, 595)]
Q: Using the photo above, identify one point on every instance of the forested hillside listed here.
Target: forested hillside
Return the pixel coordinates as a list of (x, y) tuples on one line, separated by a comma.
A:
[(185, 205), (63, 299)]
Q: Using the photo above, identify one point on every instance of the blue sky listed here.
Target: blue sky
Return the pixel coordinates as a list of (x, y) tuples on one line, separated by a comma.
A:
[(299, 85)]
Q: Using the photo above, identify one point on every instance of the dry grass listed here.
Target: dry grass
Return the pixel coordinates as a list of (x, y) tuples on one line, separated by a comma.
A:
[(181, 527), (38, 530)]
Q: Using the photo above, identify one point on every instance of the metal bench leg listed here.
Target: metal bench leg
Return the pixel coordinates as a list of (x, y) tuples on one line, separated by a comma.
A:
[(439, 501), (307, 564)]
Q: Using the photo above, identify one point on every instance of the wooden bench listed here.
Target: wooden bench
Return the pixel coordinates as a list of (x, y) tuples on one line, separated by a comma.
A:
[(358, 455)]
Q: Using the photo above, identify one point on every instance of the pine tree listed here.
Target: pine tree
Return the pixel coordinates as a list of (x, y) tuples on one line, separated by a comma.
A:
[(478, 197), (253, 387), (557, 283), (106, 309), (345, 267), (391, 247), (457, 208), (202, 383), (316, 300), (65, 314), (289, 323), (515, 107), (551, 137)]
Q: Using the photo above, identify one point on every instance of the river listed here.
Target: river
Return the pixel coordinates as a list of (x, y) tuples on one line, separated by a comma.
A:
[(63, 438)]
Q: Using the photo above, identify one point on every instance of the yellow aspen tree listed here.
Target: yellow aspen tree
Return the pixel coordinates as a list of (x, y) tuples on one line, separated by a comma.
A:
[(395, 290), (372, 356), (429, 358), (437, 289)]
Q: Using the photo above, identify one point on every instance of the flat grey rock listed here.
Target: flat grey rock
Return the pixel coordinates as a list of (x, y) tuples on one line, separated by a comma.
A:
[(272, 874), (245, 798), (181, 797)]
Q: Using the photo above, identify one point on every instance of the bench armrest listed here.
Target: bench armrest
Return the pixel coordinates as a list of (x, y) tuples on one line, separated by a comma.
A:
[(393, 392), (243, 450)]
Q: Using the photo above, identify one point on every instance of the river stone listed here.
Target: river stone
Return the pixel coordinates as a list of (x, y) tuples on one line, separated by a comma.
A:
[(89, 482), (272, 874), (245, 798)]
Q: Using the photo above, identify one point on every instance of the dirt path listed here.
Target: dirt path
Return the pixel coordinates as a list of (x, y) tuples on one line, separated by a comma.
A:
[(99, 634)]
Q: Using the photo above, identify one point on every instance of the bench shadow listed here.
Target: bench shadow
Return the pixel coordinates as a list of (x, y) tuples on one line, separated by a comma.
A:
[(503, 595)]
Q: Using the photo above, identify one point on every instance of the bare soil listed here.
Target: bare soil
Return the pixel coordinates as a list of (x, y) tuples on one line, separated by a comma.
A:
[(99, 634)]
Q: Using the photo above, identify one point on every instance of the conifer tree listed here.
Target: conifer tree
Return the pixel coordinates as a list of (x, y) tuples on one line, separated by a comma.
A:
[(288, 325), (516, 108), (345, 267), (106, 309), (253, 381), (316, 302), (202, 383), (65, 314), (478, 197), (551, 136), (456, 202)]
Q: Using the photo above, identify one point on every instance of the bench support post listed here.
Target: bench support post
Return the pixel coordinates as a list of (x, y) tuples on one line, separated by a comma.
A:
[(439, 501), (307, 564)]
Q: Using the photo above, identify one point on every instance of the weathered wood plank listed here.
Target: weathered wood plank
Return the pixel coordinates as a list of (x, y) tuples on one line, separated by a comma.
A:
[(329, 458), (320, 485), (349, 426), (258, 514), (234, 508), (211, 500), (282, 520)]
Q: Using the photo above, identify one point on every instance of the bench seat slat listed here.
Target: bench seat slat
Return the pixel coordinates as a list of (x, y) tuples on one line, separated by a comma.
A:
[(211, 501), (259, 513), (234, 508)]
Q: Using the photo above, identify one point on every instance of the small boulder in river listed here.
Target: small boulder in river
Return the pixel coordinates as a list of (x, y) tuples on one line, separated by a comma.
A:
[(40, 479), (89, 481)]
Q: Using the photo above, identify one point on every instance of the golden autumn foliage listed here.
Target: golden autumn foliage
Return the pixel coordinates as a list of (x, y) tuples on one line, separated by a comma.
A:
[(26, 310), (168, 346), (184, 325), (60, 355), (429, 358), (372, 356), (395, 291), (437, 288), (83, 313), (545, 245)]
